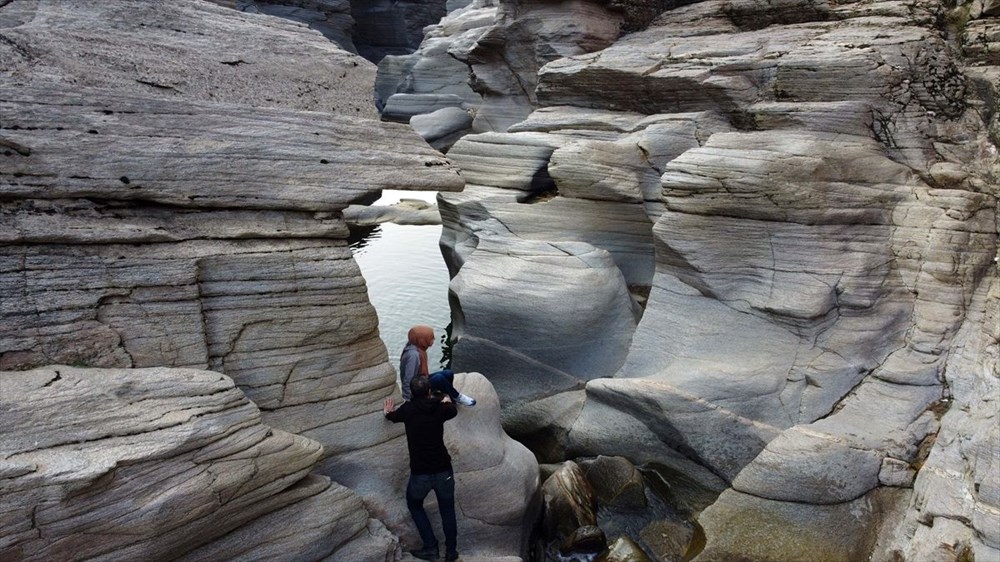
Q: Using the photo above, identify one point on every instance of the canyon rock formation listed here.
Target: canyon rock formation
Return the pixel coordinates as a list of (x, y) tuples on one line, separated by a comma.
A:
[(749, 244), (801, 201), (114, 464), (173, 181)]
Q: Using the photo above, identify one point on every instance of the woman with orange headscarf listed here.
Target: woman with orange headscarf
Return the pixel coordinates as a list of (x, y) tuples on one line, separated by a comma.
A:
[(413, 362)]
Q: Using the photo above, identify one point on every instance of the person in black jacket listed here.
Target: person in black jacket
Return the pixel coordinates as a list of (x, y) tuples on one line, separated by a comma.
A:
[(430, 464)]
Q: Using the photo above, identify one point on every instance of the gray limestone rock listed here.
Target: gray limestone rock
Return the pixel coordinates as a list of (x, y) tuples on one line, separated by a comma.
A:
[(188, 50), (826, 216), (173, 177), (496, 478), (511, 161), (774, 530), (161, 463), (332, 18), (525, 332), (604, 171), (955, 505), (623, 229), (431, 78), (624, 549), (406, 211), (443, 127)]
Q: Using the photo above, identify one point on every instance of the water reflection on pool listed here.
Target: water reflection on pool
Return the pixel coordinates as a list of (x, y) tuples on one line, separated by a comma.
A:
[(406, 277)]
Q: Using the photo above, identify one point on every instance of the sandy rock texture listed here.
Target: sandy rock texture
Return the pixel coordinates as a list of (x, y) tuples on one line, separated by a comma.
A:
[(802, 201)]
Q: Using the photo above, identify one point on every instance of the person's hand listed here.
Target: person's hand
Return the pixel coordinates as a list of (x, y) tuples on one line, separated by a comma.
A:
[(388, 406), (446, 399)]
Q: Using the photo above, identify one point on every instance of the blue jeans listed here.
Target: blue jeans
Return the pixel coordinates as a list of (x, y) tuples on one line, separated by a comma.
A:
[(443, 484), (444, 381)]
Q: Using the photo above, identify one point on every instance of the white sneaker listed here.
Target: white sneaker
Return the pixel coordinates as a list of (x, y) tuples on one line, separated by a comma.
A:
[(465, 400)]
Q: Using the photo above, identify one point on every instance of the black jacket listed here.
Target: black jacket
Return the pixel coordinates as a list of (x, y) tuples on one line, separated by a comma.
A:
[(424, 419)]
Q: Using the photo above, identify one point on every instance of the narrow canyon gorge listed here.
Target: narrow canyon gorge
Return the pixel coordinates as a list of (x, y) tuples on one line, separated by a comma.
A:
[(723, 277)]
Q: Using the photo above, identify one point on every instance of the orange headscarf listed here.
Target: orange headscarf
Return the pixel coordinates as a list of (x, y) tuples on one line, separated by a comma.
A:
[(422, 337)]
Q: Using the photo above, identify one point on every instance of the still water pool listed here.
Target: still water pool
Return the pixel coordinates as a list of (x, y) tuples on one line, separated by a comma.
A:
[(406, 276)]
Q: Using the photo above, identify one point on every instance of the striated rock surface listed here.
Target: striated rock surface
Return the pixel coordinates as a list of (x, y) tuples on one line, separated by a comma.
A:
[(485, 56), (406, 211), (332, 18), (384, 28), (431, 78), (955, 506), (568, 502), (112, 464), (173, 178), (811, 235), (188, 51), (495, 331)]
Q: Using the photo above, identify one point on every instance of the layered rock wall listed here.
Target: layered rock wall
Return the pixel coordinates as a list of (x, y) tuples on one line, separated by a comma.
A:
[(172, 181), (812, 226), (164, 464)]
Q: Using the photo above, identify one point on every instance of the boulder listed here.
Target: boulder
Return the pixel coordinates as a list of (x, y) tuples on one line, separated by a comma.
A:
[(568, 502), (443, 127), (793, 531), (668, 540), (624, 549), (496, 479), (405, 212), (538, 343), (617, 483), (588, 539), (162, 464)]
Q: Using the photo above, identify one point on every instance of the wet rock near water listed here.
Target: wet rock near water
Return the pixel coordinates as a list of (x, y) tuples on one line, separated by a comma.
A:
[(610, 488), (624, 549), (617, 482), (568, 502), (588, 539), (406, 212)]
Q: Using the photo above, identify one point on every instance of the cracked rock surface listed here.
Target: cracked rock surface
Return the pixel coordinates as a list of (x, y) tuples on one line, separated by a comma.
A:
[(802, 199), (173, 178), (163, 464)]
